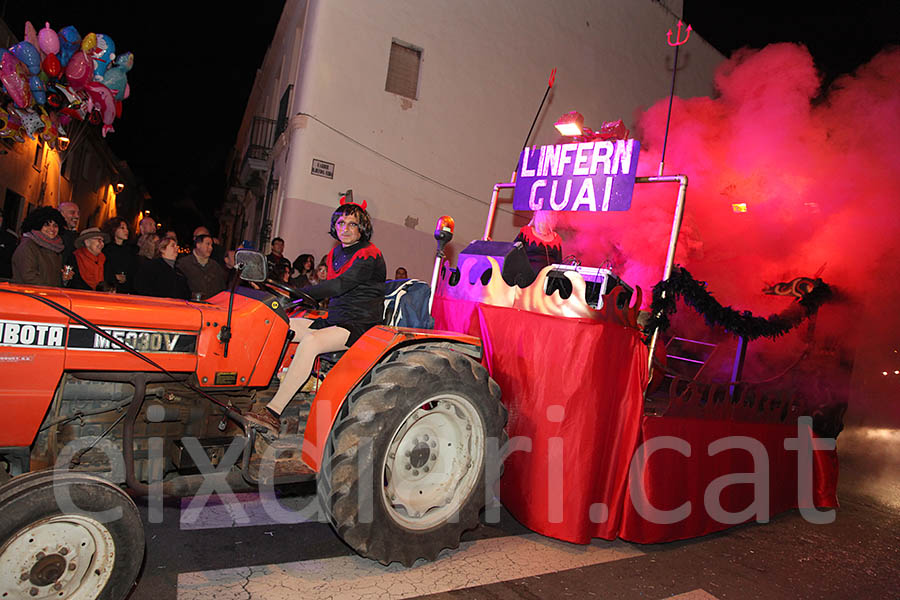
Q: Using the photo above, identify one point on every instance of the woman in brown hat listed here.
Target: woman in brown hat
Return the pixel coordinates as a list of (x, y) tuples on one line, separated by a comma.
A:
[(89, 260)]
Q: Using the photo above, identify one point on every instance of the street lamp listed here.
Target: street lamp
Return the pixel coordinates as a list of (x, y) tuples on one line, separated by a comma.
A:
[(119, 187), (62, 142)]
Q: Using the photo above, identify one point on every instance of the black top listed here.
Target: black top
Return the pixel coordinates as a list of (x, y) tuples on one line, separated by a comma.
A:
[(355, 284), (68, 237), (8, 243), (120, 259), (158, 278), (540, 253)]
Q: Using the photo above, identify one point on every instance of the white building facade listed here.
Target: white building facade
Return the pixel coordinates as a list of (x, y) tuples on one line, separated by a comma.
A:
[(420, 106)]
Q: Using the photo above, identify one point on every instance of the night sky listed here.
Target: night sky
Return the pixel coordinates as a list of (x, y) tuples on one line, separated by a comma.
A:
[(193, 69), (840, 37), (195, 63)]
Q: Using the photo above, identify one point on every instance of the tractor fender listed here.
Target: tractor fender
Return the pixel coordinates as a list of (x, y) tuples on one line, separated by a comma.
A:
[(354, 366)]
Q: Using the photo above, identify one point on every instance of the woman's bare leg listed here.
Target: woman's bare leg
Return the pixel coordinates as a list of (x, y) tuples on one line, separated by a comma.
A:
[(312, 343)]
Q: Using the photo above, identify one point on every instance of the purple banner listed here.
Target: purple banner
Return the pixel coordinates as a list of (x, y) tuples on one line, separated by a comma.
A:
[(589, 176)]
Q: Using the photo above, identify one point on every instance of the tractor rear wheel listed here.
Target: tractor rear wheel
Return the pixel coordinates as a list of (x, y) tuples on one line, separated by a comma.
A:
[(404, 469), (68, 536)]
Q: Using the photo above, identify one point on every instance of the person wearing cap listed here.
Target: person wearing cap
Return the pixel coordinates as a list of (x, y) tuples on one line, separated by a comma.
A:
[(38, 257), (89, 260)]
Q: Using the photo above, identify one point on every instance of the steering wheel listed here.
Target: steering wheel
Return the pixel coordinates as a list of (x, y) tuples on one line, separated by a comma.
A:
[(298, 296)]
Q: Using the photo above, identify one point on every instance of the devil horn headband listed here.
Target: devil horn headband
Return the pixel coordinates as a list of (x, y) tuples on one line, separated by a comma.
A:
[(345, 201)]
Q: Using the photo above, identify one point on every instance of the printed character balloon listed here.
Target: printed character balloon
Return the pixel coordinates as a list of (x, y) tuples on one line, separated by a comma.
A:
[(79, 70), (69, 42), (115, 78), (102, 54), (103, 100), (14, 76)]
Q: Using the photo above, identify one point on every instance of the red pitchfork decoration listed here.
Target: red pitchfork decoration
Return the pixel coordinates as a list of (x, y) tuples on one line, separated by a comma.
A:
[(676, 44), (678, 41)]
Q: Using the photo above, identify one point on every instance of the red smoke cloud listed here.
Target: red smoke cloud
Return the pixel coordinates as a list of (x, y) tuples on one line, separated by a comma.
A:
[(818, 171), (820, 178)]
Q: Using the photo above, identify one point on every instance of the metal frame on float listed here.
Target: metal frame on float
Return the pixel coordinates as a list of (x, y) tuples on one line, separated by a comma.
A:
[(681, 180)]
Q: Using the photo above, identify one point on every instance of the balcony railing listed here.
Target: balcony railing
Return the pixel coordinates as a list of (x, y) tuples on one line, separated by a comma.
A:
[(262, 137)]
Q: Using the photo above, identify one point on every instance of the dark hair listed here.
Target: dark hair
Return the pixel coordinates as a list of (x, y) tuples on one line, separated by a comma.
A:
[(40, 216), (278, 239), (365, 223), (109, 228), (301, 260), (199, 239)]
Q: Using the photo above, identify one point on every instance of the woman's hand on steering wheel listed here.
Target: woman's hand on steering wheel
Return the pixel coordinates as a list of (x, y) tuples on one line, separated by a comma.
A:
[(295, 294)]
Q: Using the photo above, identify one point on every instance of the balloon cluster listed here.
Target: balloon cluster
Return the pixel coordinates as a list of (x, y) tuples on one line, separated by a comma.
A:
[(52, 78)]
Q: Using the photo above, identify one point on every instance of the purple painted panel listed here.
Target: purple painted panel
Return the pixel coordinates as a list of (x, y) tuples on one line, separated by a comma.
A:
[(587, 176)]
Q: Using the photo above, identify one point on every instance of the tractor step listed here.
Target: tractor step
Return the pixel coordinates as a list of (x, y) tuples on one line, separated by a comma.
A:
[(279, 461)]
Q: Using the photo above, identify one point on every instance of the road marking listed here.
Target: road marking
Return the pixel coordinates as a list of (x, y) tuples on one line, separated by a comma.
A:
[(352, 577), (693, 595)]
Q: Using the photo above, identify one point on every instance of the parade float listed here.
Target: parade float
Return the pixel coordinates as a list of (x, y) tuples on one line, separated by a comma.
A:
[(605, 442)]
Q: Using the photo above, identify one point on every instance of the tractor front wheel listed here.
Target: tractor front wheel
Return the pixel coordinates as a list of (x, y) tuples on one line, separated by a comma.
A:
[(67, 536), (404, 470)]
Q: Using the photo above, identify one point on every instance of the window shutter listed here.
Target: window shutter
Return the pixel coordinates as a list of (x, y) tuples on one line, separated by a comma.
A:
[(403, 70)]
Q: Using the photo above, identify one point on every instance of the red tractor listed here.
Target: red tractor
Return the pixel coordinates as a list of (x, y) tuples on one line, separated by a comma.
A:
[(146, 392)]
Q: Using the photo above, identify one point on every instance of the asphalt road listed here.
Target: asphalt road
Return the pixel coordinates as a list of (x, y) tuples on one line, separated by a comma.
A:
[(223, 552)]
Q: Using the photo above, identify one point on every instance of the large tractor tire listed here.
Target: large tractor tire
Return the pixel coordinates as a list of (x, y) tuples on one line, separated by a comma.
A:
[(403, 471), (68, 536)]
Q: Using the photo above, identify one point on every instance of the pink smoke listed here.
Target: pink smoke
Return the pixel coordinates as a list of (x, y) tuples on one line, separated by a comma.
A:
[(820, 176), (819, 180)]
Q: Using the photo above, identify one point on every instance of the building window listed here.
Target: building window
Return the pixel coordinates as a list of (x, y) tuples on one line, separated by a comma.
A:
[(281, 123), (403, 70), (38, 155)]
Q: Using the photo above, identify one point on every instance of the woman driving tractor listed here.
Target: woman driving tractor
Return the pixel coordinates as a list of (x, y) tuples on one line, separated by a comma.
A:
[(355, 286)]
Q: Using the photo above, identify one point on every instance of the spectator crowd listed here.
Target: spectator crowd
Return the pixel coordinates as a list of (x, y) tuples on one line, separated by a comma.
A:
[(53, 252)]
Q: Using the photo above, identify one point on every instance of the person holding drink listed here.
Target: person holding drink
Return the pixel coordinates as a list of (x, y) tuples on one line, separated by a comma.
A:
[(38, 257)]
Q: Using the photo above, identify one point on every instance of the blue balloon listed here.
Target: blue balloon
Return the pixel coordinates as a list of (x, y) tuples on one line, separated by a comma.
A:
[(29, 55), (102, 54), (38, 89), (69, 42)]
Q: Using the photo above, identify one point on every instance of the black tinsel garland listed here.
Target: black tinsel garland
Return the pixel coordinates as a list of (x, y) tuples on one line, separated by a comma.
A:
[(741, 323)]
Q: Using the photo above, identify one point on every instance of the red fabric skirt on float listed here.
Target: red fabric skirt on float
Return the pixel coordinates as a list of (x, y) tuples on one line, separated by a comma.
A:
[(579, 465)]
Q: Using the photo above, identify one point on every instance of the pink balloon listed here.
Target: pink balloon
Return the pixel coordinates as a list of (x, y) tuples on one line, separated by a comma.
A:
[(79, 71), (14, 76), (48, 40), (30, 34), (105, 102)]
